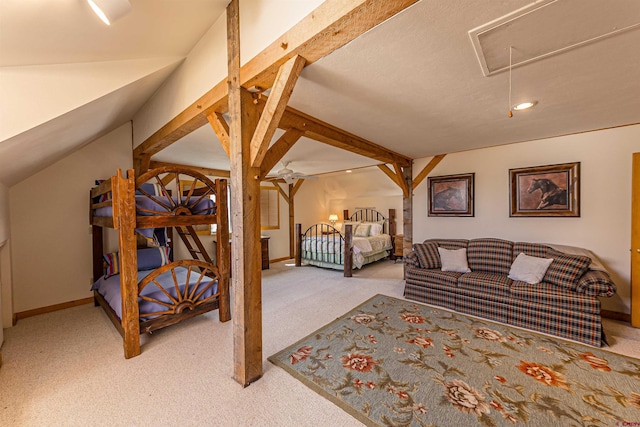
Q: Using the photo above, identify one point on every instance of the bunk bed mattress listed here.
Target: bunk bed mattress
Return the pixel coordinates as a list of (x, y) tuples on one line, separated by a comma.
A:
[(109, 288), (324, 250), (203, 207)]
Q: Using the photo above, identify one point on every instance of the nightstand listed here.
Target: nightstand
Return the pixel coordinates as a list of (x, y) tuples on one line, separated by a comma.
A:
[(398, 247)]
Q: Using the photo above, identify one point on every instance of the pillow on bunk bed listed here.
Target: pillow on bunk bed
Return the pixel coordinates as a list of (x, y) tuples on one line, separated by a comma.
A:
[(150, 188), (148, 259), (103, 197)]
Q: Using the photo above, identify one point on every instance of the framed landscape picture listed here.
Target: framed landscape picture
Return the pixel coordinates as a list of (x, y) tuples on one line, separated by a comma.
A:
[(451, 195), (545, 191)]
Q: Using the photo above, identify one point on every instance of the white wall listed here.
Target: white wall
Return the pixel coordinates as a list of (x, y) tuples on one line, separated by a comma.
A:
[(261, 22), (5, 282), (51, 243), (604, 225)]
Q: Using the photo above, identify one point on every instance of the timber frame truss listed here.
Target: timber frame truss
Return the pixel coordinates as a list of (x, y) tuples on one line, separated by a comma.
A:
[(246, 137)]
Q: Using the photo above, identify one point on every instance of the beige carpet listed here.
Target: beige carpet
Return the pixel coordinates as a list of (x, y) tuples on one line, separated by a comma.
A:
[(67, 368)]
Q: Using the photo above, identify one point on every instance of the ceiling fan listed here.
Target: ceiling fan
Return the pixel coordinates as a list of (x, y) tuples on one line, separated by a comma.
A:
[(288, 175)]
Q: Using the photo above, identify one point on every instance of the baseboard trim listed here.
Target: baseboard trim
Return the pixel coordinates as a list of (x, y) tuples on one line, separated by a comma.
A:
[(271, 261), (51, 308), (616, 315)]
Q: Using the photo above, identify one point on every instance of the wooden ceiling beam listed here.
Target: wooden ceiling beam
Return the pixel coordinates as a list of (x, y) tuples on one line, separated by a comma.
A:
[(390, 174), (296, 187), (330, 26), (324, 132), (274, 108), (427, 169), (221, 128), (279, 149), (284, 195), (220, 173), (401, 181)]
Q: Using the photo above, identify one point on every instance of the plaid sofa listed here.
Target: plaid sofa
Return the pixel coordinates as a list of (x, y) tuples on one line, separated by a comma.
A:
[(566, 303)]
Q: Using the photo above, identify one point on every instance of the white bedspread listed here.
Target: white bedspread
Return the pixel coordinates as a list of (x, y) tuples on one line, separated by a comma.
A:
[(362, 246)]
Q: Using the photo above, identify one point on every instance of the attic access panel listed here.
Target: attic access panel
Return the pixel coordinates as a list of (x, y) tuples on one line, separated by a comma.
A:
[(550, 27)]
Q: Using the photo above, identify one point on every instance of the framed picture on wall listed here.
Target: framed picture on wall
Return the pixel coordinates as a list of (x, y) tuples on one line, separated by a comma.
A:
[(545, 191), (451, 195)]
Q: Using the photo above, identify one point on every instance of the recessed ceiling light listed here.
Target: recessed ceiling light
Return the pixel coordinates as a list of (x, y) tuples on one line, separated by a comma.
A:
[(524, 105)]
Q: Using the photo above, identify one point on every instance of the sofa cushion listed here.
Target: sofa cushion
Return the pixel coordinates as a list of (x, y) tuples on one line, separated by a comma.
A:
[(427, 254), (555, 296), (450, 243), (565, 270), (444, 278), (530, 269), (531, 249), (490, 255), (485, 285), (411, 260), (454, 260)]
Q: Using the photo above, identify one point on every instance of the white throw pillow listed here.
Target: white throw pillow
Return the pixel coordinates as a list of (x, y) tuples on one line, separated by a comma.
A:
[(376, 229), (454, 260), (529, 269), (362, 230)]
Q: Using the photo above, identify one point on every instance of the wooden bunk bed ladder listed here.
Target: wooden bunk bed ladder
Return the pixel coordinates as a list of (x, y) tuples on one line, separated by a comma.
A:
[(190, 238)]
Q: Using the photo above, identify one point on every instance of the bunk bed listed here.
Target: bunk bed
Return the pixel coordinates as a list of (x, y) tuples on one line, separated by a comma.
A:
[(363, 238), (143, 289)]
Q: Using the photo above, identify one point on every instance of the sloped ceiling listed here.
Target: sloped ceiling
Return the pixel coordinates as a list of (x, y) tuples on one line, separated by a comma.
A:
[(67, 79), (412, 84)]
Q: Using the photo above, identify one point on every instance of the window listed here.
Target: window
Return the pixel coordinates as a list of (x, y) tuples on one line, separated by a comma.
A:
[(269, 208)]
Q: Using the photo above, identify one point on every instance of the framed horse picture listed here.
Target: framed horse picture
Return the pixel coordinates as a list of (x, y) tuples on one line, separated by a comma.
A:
[(545, 191), (451, 195)]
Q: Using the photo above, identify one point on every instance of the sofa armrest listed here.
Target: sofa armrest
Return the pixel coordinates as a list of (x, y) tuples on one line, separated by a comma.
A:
[(596, 283), (411, 260)]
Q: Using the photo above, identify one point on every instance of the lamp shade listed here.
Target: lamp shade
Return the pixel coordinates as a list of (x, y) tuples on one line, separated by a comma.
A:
[(333, 217), (110, 10)]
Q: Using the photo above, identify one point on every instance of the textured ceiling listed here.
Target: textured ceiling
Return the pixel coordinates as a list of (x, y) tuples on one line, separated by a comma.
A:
[(412, 84)]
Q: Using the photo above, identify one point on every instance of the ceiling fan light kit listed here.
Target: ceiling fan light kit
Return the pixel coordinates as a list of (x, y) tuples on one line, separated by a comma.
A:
[(289, 176), (110, 10)]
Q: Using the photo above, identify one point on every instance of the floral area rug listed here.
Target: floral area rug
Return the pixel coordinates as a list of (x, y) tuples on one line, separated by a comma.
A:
[(393, 362)]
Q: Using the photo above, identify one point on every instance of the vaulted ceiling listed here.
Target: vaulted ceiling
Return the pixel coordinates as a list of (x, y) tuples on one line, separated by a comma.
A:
[(414, 84)]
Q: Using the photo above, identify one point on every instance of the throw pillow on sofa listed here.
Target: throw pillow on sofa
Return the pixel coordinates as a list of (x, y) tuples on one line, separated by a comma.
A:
[(565, 270), (529, 269), (454, 260), (427, 254)]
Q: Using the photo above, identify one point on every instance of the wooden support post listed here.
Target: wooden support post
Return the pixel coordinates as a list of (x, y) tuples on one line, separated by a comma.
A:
[(298, 238), (392, 222), (245, 208), (407, 213), (348, 250), (126, 221), (291, 223), (222, 250)]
